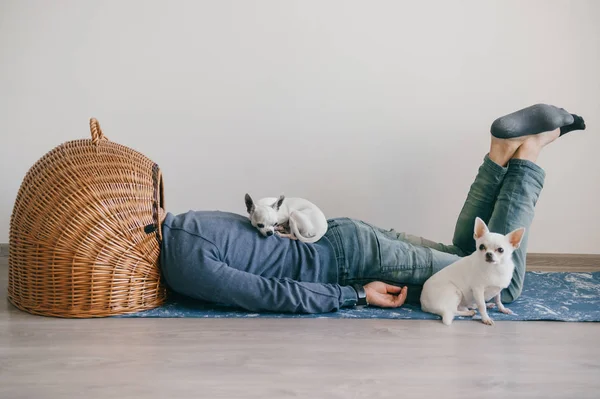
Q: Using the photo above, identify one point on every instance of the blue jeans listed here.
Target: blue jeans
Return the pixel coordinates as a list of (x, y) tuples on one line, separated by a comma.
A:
[(504, 197)]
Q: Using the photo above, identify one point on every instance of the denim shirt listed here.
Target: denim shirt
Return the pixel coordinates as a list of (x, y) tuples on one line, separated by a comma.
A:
[(220, 257)]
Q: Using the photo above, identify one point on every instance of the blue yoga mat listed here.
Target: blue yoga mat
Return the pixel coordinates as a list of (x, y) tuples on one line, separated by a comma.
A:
[(546, 296)]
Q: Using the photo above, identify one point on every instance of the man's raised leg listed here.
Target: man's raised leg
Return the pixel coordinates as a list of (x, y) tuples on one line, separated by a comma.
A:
[(515, 205), (505, 145)]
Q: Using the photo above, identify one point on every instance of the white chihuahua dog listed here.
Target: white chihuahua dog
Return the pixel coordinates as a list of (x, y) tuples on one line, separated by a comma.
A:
[(306, 221), (473, 280)]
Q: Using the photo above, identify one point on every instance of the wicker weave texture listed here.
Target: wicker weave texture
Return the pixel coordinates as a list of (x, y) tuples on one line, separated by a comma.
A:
[(84, 232)]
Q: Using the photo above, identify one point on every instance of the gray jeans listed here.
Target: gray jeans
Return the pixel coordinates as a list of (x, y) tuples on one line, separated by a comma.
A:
[(504, 197)]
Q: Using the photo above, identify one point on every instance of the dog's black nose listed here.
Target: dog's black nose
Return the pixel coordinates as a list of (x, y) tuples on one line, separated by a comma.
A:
[(269, 233), (489, 256)]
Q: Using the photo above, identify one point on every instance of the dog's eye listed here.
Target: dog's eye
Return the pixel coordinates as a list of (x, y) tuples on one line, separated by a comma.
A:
[(274, 224), (482, 247), (260, 225), (500, 250)]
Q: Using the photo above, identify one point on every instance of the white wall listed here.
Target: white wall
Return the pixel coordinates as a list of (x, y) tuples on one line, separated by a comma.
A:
[(378, 110)]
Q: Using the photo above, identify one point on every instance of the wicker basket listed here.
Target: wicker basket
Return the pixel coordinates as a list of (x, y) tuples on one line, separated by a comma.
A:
[(84, 232)]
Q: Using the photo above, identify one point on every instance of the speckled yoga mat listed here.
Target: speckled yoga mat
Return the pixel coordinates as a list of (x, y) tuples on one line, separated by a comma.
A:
[(546, 296)]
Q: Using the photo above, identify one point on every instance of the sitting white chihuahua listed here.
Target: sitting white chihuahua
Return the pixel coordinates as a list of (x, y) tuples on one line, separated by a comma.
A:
[(306, 221), (471, 281)]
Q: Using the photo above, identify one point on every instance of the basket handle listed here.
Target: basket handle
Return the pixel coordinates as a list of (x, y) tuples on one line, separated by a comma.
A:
[(96, 131)]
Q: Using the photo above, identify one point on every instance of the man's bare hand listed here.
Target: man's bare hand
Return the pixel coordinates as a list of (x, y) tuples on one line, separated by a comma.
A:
[(385, 295)]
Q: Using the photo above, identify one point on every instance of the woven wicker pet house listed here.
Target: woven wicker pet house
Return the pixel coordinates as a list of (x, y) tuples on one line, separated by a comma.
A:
[(84, 232)]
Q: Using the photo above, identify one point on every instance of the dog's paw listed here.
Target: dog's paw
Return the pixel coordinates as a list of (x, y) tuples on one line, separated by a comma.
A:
[(488, 321), (290, 236), (491, 305), (506, 311)]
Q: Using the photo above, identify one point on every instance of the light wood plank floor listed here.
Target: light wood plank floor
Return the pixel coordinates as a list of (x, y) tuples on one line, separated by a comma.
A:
[(249, 358)]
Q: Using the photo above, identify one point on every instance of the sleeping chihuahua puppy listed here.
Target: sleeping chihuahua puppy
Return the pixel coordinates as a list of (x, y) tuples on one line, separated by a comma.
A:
[(306, 221), (471, 281)]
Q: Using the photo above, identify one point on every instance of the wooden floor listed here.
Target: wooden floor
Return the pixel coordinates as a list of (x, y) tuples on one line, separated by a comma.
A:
[(249, 358)]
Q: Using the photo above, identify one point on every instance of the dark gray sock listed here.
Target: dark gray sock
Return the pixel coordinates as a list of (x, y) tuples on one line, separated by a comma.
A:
[(578, 124), (535, 119)]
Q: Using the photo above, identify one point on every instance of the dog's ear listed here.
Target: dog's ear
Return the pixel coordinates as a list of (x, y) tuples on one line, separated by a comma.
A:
[(480, 228), (515, 237), (249, 203), (278, 203)]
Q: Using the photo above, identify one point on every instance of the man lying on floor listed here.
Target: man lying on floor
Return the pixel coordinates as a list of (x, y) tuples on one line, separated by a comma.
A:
[(220, 257)]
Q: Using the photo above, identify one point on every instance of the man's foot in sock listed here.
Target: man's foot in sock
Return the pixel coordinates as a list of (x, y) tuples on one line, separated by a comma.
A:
[(535, 119)]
